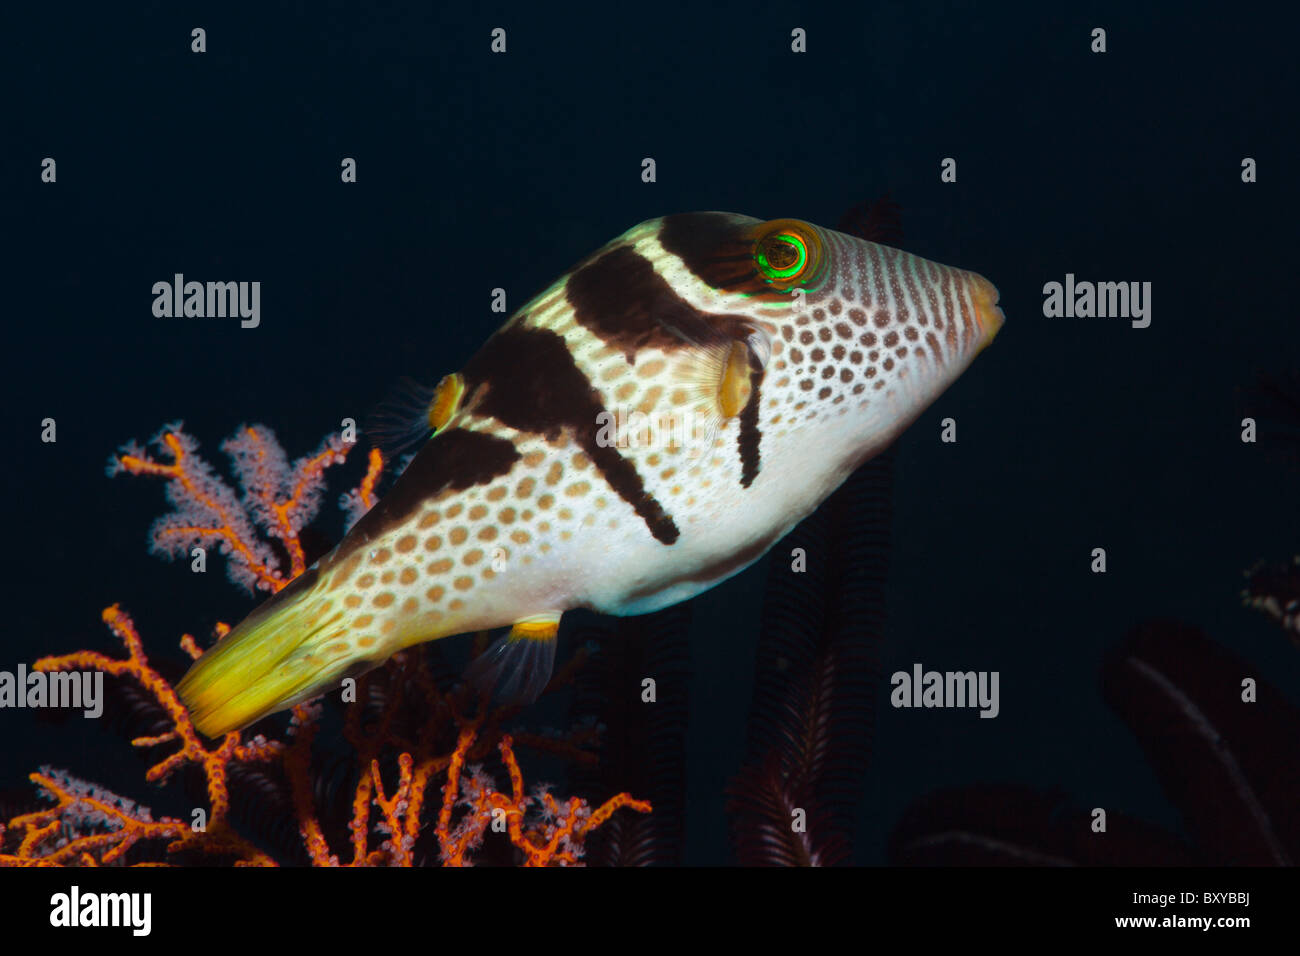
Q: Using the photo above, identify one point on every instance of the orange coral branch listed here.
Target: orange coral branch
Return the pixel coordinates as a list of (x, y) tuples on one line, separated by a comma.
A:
[(607, 809), (307, 472), (126, 830), (297, 765), (216, 835), (366, 492), (453, 848), (180, 472), (282, 527), (555, 839)]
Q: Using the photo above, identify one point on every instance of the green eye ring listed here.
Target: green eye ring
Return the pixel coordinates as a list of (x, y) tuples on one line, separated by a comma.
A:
[(787, 253), (782, 256)]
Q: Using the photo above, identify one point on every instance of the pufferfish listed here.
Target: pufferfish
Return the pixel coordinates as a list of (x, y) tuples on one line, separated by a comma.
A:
[(646, 427)]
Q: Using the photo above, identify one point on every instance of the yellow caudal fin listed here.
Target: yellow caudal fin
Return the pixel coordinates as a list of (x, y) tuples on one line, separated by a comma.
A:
[(274, 659)]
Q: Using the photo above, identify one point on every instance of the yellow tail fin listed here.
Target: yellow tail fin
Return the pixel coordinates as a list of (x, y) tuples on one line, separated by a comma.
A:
[(274, 659)]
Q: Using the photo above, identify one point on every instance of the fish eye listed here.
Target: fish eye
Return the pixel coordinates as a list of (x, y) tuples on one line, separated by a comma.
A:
[(786, 252), (782, 256)]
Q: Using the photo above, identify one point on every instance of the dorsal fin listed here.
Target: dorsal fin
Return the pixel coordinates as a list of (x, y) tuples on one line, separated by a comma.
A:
[(400, 421), (412, 413)]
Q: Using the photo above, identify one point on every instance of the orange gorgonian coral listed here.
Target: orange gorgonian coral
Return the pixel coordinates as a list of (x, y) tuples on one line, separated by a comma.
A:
[(87, 825)]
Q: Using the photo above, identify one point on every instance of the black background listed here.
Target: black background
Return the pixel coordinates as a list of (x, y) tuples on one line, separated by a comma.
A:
[(477, 171)]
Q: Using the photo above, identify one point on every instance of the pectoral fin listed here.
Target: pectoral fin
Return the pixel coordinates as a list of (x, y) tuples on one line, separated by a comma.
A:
[(718, 383), (518, 666)]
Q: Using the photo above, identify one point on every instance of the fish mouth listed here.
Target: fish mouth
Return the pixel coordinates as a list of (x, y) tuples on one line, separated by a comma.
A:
[(987, 314)]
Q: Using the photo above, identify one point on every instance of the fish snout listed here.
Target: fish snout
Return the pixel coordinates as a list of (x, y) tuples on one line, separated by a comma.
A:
[(987, 314)]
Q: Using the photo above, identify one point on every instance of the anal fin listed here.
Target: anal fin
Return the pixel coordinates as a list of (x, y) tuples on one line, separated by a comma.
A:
[(518, 665)]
